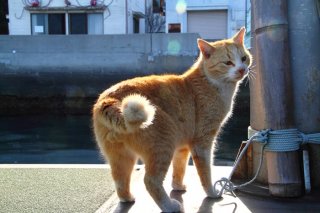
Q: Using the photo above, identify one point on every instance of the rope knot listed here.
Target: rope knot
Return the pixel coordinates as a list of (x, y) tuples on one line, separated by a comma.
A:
[(261, 136), (305, 139)]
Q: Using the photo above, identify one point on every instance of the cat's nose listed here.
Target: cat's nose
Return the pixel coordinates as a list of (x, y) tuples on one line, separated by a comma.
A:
[(241, 71)]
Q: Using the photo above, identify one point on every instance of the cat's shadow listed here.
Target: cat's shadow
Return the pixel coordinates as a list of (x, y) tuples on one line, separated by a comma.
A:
[(206, 205), (123, 207)]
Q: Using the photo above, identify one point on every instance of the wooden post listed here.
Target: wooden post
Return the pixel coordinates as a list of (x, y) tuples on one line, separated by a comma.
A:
[(256, 100), (274, 108), (304, 31)]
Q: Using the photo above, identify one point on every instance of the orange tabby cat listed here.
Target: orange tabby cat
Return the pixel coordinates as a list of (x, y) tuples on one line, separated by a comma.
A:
[(163, 118)]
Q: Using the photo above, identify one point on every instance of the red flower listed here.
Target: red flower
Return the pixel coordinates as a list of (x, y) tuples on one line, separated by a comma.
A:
[(93, 2), (35, 3)]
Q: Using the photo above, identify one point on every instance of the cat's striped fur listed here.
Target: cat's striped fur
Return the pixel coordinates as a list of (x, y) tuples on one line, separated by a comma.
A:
[(162, 119)]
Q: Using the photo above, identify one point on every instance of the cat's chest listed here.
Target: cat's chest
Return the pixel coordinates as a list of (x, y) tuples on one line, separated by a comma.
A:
[(226, 97)]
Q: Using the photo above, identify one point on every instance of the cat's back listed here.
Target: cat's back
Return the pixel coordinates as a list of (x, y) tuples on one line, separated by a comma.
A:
[(170, 94), (153, 87)]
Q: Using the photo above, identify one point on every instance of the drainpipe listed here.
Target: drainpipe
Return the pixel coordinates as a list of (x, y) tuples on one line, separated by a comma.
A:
[(126, 15), (145, 16), (271, 104)]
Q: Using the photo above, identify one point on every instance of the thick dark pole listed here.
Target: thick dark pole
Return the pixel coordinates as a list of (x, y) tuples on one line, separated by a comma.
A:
[(304, 32), (255, 109), (272, 100)]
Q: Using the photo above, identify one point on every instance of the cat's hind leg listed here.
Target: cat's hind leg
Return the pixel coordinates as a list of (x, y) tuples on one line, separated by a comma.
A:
[(180, 158), (122, 161), (157, 164)]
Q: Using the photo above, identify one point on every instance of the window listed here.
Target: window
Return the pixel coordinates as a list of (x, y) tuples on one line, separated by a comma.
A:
[(159, 7), (95, 23), (55, 23), (78, 23), (136, 24), (42, 23), (174, 28), (83, 23), (39, 24)]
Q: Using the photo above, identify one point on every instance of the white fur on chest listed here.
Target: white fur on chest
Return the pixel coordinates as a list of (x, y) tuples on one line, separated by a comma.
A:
[(226, 92)]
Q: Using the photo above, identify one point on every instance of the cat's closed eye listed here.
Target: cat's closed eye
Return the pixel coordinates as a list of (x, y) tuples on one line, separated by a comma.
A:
[(228, 63)]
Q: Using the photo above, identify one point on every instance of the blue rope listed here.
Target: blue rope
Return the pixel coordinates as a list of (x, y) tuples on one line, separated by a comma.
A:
[(283, 140), (310, 138), (286, 140)]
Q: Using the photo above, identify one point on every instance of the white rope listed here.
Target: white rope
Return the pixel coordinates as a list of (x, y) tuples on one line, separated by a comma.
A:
[(284, 140), (226, 183), (277, 141)]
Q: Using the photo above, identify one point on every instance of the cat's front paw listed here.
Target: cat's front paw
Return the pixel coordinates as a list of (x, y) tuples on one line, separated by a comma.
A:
[(127, 199), (178, 187), (172, 206), (213, 193)]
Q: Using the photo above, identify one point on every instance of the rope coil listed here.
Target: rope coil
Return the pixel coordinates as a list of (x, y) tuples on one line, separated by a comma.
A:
[(272, 140)]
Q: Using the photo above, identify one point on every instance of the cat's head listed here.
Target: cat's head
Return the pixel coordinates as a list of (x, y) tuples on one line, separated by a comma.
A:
[(226, 60)]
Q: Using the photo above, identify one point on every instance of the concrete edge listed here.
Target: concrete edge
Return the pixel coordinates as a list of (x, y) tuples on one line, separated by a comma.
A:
[(111, 204), (54, 166)]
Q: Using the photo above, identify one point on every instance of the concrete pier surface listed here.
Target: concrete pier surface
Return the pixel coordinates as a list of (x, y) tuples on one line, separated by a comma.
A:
[(89, 188), (54, 188)]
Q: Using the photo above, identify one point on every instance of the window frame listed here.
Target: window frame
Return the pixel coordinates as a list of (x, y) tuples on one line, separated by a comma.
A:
[(45, 24), (67, 22)]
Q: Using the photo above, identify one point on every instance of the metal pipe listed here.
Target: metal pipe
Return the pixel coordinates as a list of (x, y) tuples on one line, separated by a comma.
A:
[(126, 16)]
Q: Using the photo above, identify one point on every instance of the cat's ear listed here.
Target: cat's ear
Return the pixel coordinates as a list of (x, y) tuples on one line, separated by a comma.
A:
[(205, 48), (239, 36)]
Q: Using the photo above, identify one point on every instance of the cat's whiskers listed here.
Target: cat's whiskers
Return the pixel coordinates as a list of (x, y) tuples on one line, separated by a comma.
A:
[(252, 67), (253, 76), (247, 79), (250, 75)]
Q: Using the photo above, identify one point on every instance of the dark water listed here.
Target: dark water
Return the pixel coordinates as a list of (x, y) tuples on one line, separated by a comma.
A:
[(47, 139), (69, 139)]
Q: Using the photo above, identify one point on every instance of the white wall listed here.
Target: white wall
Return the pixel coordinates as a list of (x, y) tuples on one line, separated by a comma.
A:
[(236, 12), (115, 22), (19, 19), (135, 6), (114, 18)]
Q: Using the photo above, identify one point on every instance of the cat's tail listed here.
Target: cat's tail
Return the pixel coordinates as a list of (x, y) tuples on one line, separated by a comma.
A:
[(132, 113)]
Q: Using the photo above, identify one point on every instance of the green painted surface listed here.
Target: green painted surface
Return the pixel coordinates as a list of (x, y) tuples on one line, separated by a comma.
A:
[(54, 190)]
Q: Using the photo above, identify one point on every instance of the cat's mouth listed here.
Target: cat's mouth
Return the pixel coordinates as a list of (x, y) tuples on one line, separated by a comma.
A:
[(240, 74), (239, 77)]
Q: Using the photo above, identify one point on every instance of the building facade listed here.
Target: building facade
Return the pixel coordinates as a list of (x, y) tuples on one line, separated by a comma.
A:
[(37, 17), (212, 19)]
